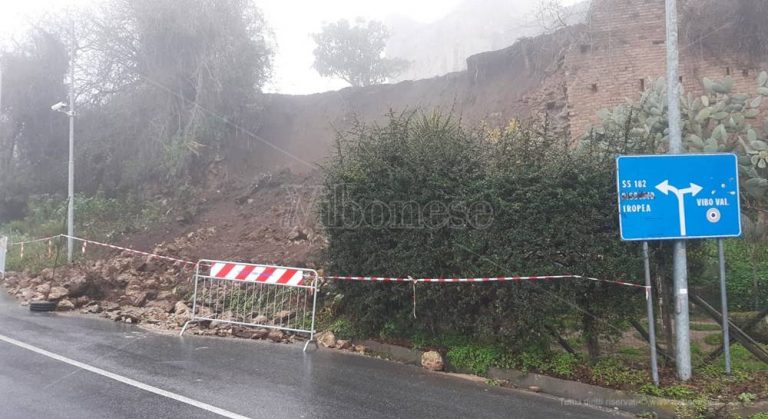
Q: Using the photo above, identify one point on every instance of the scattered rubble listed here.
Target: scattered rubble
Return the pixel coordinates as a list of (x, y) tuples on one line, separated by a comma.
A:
[(326, 339), (275, 335), (432, 361), (65, 305), (343, 344), (137, 289)]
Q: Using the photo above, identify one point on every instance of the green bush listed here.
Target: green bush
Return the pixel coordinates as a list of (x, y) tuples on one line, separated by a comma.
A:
[(342, 329), (746, 398), (423, 196), (531, 361), (746, 274)]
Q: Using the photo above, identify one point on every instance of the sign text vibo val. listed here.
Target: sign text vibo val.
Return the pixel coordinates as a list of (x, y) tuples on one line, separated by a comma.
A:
[(669, 197)]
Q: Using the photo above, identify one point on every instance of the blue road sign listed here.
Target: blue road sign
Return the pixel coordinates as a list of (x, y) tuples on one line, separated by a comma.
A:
[(686, 196)]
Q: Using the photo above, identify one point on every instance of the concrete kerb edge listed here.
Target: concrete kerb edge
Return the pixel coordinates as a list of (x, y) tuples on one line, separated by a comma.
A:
[(572, 392)]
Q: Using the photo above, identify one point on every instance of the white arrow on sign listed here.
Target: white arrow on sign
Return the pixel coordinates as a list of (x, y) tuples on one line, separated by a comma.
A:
[(666, 188)]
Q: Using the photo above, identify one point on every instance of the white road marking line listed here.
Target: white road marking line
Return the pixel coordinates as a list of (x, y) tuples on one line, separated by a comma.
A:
[(124, 380)]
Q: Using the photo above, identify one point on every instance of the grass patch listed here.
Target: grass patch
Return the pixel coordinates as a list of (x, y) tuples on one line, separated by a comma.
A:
[(631, 353), (613, 372), (705, 327), (97, 217), (743, 365), (743, 360), (714, 339), (679, 392)]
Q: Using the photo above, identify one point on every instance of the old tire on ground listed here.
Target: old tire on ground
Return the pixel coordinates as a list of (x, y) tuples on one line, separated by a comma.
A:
[(42, 306)]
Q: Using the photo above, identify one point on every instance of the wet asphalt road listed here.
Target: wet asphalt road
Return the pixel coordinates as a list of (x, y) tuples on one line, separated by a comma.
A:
[(250, 378)]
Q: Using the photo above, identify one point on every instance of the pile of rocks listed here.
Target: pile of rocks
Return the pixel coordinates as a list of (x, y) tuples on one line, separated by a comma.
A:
[(328, 340), (186, 246), (221, 327), (134, 288), (127, 287)]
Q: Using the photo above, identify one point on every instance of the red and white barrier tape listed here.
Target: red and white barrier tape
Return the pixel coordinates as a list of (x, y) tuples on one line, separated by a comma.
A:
[(85, 243), (498, 279), (125, 249), (22, 243), (626, 284), (483, 279), (370, 278)]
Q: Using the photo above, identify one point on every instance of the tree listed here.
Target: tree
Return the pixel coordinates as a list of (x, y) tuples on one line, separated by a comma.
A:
[(170, 84), (159, 89), (355, 53), (34, 137)]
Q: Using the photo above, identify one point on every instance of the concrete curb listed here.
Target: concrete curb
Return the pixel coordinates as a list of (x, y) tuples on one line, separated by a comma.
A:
[(587, 394), (573, 391), (394, 352)]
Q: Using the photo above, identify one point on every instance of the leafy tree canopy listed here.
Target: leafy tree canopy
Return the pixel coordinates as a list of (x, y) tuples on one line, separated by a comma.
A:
[(355, 53)]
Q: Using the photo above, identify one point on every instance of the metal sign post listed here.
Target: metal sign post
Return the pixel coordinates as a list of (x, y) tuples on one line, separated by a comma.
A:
[(651, 321), (679, 197), (679, 258), (724, 308)]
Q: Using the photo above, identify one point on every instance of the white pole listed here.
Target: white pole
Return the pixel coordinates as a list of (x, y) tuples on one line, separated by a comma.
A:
[(724, 308), (680, 268), (651, 321), (71, 180)]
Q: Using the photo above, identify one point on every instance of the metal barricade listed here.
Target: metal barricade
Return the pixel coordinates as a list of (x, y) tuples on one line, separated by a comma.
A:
[(3, 251), (264, 296)]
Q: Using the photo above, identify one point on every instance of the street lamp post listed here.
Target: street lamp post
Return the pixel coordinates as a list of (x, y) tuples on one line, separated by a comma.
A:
[(71, 177), (70, 111)]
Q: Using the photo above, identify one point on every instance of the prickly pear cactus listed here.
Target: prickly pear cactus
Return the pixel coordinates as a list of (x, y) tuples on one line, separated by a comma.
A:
[(718, 121)]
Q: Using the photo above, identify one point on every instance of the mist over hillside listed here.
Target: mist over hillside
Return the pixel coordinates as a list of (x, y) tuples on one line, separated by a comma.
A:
[(475, 26)]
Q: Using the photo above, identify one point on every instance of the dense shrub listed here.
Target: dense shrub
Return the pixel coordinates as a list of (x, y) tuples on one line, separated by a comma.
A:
[(424, 196)]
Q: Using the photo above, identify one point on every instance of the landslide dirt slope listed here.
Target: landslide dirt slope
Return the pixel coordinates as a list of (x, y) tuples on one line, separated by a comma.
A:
[(268, 219), (250, 216)]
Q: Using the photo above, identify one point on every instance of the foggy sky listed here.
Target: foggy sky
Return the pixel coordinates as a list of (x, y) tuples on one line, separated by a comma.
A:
[(292, 23)]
